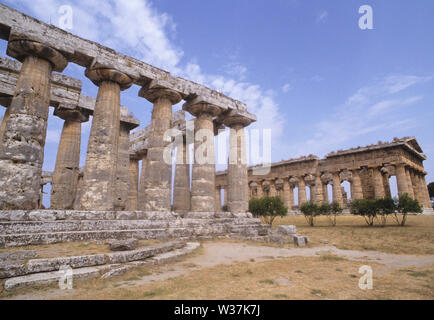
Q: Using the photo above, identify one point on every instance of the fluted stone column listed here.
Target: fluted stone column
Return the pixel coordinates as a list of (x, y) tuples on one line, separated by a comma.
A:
[(133, 186), (288, 194), (237, 167), (158, 173), (325, 192), (337, 190), (386, 184), (67, 169), (401, 179), (301, 191), (203, 175), (273, 191), (378, 183), (425, 192), (218, 199), (100, 171), (23, 139), (141, 195), (318, 190), (260, 191), (122, 184), (4, 120), (357, 185), (410, 185), (225, 195), (181, 192)]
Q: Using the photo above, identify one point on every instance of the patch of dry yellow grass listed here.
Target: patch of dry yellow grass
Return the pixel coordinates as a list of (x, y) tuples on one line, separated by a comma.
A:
[(351, 232), (310, 278)]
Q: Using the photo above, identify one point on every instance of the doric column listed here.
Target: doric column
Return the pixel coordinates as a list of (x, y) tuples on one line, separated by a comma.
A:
[(424, 191), (4, 120), (225, 195), (273, 191), (237, 166), (318, 190), (141, 195), (65, 176), (357, 185), (325, 192), (122, 183), (158, 173), (378, 183), (23, 139), (401, 179), (337, 190), (218, 199), (386, 185), (301, 191), (203, 175), (181, 192), (133, 186), (260, 190), (410, 185), (288, 194), (100, 171)]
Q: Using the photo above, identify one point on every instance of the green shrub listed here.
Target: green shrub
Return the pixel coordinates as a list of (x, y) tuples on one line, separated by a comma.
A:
[(367, 208), (310, 210), (335, 210), (385, 207), (225, 208), (268, 208), (404, 205)]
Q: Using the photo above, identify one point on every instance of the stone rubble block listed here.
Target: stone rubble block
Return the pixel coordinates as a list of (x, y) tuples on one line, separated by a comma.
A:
[(287, 230), (123, 245), (300, 241), (12, 269), (48, 278), (52, 264), (18, 255)]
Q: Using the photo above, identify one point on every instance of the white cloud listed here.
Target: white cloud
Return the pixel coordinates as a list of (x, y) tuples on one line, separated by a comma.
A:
[(322, 16), (286, 87)]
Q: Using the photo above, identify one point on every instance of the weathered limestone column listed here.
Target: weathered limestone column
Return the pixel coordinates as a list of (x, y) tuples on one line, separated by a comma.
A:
[(357, 185), (260, 191), (65, 176), (377, 181), (23, 139), (318, 190), (401, 179), (99, 180), (337, 190), (181, 192), (122, 183), (218, 199), (301, 191), (425, 192), (325, 192), (416, 187), (273, 191), (238, 189), (386, 184), (288, 194), (141, 196), (225, 195), (203, 175), (133, 186), (4, 120), (410, 185), (158, 173)]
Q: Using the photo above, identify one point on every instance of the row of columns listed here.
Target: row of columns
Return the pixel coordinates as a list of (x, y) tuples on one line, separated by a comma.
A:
[(110, 179)]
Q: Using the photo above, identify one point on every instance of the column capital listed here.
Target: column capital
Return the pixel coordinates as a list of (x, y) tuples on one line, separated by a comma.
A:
[(234, 119), (21, 48), (153, 94), (197, 109), (71, 114), (100, 74)]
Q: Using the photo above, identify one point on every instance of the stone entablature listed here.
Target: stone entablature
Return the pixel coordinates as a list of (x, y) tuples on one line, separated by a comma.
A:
[(367, 169)]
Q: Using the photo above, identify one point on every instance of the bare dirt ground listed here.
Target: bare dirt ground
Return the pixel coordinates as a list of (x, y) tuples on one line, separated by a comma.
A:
[(223, 255)]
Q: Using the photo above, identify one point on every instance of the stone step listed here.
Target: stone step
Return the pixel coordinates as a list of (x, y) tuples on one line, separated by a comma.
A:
[(190, 232), (106, 271), (25, 227)]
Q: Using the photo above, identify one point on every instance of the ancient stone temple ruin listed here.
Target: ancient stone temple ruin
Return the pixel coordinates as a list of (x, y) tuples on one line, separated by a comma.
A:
[(107, 198), (367, 170)]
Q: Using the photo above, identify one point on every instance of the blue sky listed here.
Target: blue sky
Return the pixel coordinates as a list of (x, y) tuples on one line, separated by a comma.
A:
[(304, 67)]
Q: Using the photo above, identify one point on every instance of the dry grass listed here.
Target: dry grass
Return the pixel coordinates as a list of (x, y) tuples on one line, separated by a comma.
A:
[(69, 249), (310, 278), (351, 232)]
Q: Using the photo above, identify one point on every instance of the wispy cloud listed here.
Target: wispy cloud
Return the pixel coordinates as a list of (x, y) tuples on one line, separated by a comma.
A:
[(286, 87), (372, 108), (322, 16)]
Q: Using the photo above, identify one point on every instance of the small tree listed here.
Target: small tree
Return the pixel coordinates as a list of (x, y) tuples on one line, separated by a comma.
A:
[(310, 210), (404, 205), (385, 207), (431, 189), (268, 208), (335, 210), (367, 208)]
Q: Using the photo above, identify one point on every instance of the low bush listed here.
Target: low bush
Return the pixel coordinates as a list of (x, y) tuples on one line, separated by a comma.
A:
[(268, 208)]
